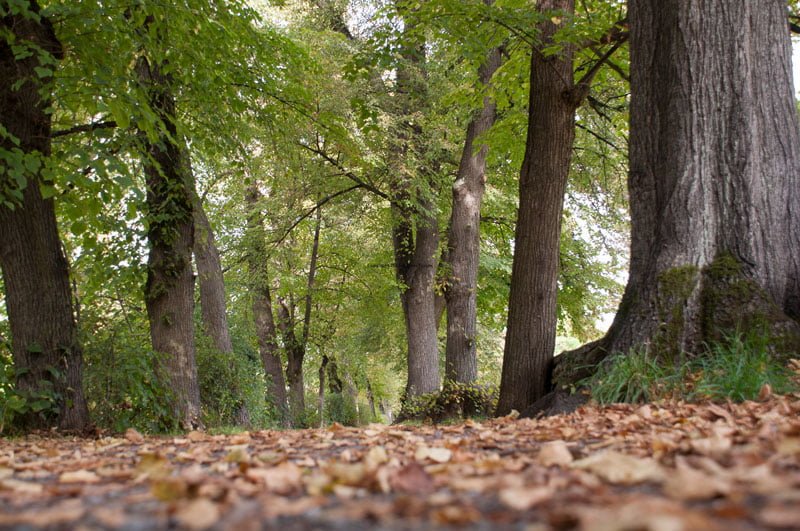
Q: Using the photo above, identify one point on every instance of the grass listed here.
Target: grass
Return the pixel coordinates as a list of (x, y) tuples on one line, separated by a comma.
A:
[(736, 368)]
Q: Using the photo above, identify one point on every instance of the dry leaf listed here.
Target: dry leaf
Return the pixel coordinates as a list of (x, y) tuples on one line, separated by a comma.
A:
[(412, 479), (22, 487), (134, 436), (687, 483), (286, 478), (615, 467), (554, 453), (523, 498), (435, 454), (79, 476), (198, 514)]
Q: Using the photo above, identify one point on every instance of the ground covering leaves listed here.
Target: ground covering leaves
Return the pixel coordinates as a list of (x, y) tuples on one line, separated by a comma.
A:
[(665, 466)]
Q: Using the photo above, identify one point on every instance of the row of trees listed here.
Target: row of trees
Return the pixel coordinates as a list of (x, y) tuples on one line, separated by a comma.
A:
[(287, 171)]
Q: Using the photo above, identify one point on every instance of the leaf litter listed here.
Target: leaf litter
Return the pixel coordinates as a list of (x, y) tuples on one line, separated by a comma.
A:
[(664, 466)]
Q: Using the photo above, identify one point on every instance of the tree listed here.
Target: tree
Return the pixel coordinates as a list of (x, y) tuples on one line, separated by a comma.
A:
[(213, 306), (555, 95), (713, 183), (415, 232), (169, 290), (46, 351), (266, 333), (461, 363)]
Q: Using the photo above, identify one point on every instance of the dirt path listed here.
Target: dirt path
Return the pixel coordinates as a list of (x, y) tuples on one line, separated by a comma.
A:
[(658, 467)]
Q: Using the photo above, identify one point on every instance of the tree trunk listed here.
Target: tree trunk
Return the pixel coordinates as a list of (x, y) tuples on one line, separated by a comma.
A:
[(531, 330), (212, 297), (294, 363), (44, 339), (169, 291), (321, 394), (416, 231), (461, 362), (266, 333), (714, 181)]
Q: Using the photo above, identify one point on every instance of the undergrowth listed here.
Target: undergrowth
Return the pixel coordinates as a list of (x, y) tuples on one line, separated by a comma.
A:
[(736, 368)]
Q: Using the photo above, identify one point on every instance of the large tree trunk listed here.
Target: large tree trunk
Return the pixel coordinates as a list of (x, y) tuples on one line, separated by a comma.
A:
[(461, 362), (47, 355), (714, 181), (266, 333), (530, 336), (416, 232), (213, 307), (169, 291)]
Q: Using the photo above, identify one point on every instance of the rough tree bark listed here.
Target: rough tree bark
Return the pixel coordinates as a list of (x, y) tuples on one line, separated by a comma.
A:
[(461, 362), (169, 291), (714, 181), (45, 348), (415, 235), (530, 335), (266, 333), (213, 306)]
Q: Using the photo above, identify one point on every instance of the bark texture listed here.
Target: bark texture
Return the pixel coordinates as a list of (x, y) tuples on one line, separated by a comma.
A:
[(266, 332), (213, 306), (714, 181), (530, 336), (461, 362), (169, 291), (45, 348), (416, 230)]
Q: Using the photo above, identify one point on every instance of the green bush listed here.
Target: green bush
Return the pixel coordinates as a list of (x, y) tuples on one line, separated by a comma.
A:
[(454, 401), (17, 405), (230, 381)]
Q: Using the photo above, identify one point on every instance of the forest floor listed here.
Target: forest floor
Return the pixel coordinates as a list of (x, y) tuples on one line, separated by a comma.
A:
[(664, 466)]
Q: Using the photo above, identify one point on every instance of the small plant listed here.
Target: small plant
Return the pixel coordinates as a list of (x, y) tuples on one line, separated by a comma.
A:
[(454, 401), (737, 368), (635, 377)]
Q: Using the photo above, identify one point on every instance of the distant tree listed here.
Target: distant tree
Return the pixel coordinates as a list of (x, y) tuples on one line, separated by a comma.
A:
[(714, 182), (47, 354)]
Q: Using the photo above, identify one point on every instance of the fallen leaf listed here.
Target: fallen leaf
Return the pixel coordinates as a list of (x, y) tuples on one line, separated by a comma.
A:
[(412, 479), (523, 498), (435, 454), (687, 483), (198, 514), (79, 476), (19, 486), (134, 436), (616, 467), (284, 479), (554, 453)]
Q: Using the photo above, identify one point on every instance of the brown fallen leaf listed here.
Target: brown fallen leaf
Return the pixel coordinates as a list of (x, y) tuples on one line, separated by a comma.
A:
[(134, 436), (79, 476), (523, 498), (435, 454), (780, 516), (21, 487), (687, 483), (198, 514), (284, 479), (412, 479), (616, 467), (554, 453)]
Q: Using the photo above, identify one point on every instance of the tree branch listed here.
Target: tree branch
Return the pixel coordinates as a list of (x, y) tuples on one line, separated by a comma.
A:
[(85, 128)]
